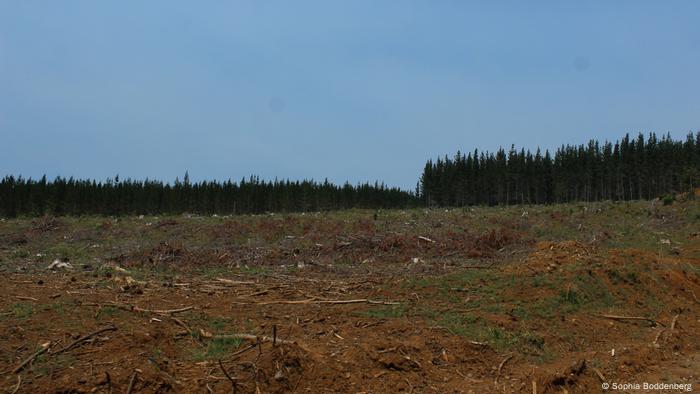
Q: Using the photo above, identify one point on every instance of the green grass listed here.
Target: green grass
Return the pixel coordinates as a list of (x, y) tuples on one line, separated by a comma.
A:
[(108, 312), (385, 312), (217, 348), (476, 328), (220, 323), (22, 310), (585, 293), (20, 253)]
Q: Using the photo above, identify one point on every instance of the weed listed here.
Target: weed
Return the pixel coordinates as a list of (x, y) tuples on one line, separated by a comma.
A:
[(20, 254), (668, 199), (386, 312), (219, 323), (412, 283), (107, 311), (22, 310), (217, 348)]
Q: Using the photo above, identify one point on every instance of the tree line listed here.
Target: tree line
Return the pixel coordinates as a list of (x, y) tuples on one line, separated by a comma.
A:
[(628, 169), (29, 197)]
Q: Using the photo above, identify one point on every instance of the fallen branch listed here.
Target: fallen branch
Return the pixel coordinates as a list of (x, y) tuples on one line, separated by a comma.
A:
[(132, 382), (108, 382), (658, 335), (182, 324), (315, 301), (233, 382), (26, 298), (600, 375), (639, 318), (234, 282), (19, 383), (29, 359), (409, 385), (426, 239), (85, 338), (387, 350), (257, 293), (250, 337), (134, 308), (162, 311), (673, 322), (500, 367), (694, 296), (238, 353), (477, 266)]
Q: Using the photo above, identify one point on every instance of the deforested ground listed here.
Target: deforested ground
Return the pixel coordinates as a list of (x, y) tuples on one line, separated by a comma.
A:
[(545, 299)]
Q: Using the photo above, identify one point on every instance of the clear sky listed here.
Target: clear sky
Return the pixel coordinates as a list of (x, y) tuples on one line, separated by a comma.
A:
[(358, 90)]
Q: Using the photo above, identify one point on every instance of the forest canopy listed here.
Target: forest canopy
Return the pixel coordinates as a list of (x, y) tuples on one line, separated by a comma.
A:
[(27, 197), (628, 169)]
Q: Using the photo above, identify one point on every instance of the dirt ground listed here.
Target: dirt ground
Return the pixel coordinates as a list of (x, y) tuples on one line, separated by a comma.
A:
[(479, 300)]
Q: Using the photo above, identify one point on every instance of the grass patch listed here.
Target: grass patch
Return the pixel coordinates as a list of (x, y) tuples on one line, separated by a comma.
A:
[(107, 311), (20, 254), (217, 348), (585, 292), (476, 328), (219, 323), (22, 310), (386, 312)]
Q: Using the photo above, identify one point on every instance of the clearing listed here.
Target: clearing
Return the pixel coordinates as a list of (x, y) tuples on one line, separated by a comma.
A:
[(546, 299)]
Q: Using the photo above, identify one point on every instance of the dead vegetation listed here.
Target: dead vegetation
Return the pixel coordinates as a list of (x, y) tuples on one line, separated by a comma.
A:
[(475, 300)]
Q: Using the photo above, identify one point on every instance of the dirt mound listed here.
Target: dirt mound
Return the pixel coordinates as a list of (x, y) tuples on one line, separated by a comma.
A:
[(549, 256), (164, 254), (676, 275), (47, 223), (577, 377)]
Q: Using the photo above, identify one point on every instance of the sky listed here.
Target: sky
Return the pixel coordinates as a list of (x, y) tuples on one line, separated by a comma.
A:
[(359, 90)]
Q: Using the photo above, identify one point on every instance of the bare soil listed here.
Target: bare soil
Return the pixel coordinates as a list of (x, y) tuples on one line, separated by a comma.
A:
[(523, 299)]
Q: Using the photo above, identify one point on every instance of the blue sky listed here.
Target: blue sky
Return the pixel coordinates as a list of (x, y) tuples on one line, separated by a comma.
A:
[(348, 90)]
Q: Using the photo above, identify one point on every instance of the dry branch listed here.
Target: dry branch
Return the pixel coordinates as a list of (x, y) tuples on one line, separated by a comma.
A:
[(85, 338), (182, 324), (36, 354), (658, 335), (694, 296), (639, 318), (238, 353), (387, 350), (500, 367), (234, 282), (25, 298), (600, 375), (134, 308), (19, 383), (132, 381), (673, 323), (233, 382), (477, 266), (255, 338), (161, 311), (315, 301)]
